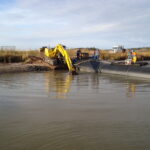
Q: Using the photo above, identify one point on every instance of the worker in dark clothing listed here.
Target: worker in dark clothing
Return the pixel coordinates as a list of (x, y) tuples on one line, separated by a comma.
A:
[(96, 54), (78, 54)]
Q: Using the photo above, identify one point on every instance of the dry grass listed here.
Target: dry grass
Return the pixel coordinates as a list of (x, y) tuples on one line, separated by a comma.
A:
[(21, 56), (142, 54), (105, 55), (113, 56), (72, 52), (16, 56)]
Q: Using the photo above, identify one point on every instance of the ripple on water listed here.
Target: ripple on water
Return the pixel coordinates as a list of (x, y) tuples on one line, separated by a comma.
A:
[(54, 110)]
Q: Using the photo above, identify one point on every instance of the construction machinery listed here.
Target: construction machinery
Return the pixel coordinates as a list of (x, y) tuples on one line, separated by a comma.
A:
[(59, 56)]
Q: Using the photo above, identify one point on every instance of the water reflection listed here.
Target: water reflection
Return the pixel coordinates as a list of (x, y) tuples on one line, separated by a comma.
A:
[(128, 85), (58, 83), (98, 114), (131, 89)]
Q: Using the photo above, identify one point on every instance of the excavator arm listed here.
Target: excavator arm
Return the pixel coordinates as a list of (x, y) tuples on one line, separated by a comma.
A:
[(60, 49)]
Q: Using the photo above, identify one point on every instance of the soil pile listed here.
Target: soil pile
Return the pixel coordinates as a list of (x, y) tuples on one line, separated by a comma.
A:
[(33, 63)]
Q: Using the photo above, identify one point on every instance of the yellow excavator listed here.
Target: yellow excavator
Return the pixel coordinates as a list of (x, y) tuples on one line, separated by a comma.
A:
[(56, 54)]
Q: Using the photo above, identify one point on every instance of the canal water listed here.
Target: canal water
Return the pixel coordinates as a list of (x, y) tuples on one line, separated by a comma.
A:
[(58, 111)]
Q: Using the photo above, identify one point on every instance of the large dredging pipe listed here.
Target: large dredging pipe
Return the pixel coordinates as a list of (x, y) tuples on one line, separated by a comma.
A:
[(136, 70)]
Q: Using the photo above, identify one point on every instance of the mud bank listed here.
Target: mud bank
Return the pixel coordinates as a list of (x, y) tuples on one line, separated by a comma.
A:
[(20, 67)]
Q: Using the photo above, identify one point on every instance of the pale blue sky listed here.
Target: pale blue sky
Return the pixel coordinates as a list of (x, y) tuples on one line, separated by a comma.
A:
[(75, 23)]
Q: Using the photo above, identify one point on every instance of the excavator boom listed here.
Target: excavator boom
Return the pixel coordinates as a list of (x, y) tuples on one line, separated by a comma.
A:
[(60, 49)]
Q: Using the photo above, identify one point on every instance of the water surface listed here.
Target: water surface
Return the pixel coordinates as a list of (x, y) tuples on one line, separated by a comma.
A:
[(58, 111)]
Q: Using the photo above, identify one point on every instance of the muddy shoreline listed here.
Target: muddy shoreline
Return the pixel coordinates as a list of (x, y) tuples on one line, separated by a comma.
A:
[(22, 67)]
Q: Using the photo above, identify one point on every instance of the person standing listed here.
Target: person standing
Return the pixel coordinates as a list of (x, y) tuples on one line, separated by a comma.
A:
[(78, 54), (128, 61), (134, 58), (96, 54)]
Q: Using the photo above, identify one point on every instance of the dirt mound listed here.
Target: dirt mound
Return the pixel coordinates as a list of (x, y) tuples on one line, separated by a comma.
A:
[(34, 59)]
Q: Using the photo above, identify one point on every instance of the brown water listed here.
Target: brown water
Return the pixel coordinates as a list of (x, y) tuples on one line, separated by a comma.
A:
[(57, 111)]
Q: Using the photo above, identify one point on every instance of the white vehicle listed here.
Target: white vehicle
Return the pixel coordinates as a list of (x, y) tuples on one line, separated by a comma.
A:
[(117, 48)]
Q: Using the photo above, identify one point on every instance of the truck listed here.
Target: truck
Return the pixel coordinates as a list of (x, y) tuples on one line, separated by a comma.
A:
[(117, 48)]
